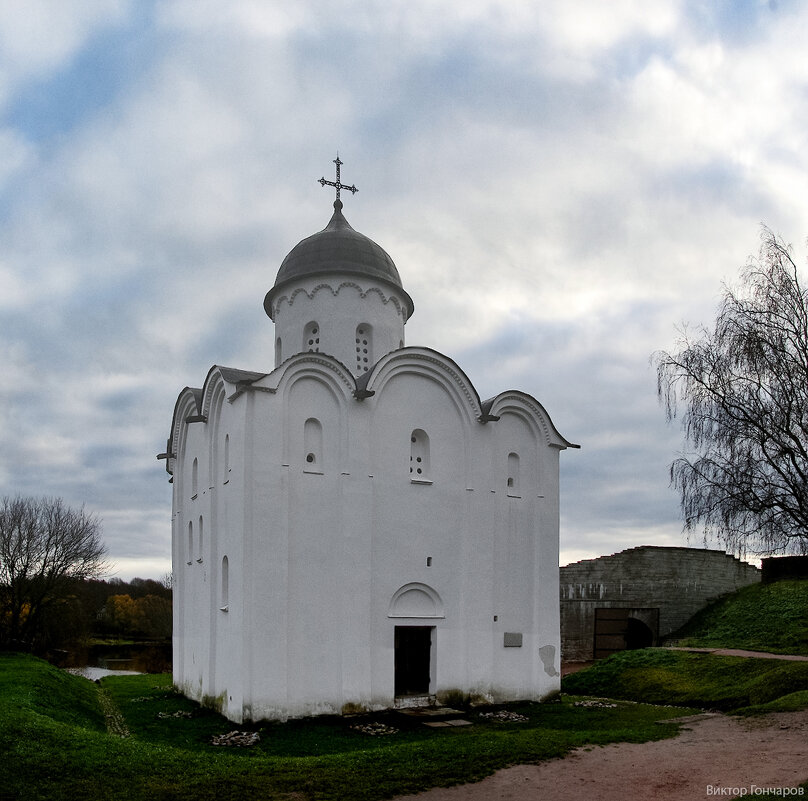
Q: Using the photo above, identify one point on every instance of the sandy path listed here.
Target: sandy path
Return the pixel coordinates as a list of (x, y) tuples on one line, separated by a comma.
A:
[(712, 751)]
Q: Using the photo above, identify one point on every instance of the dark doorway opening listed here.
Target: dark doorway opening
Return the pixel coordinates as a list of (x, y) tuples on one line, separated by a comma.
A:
[(638, 635), (413, 657)]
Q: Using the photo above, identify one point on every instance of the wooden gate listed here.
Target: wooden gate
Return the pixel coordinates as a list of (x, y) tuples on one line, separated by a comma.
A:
[(617, 629), (610, 631)]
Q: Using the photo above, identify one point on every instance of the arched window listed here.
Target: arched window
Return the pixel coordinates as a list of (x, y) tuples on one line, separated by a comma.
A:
[(364, 348), (312, 446), (195, 478), (225, 588), (226, 467), (311, 338), (199, 543), (419, 455), (278, 351), (190, 542), (513, 474)]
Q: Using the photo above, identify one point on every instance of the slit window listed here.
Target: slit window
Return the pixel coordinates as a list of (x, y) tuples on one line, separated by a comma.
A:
[(190, 542), (195, 478), (199, 543), (513, 474), (225, 588), (313, 446), (364, 348)]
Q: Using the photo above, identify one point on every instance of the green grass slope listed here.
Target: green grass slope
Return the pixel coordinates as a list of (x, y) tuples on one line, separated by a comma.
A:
[(33, 690), (56, 748), (761, 617), (727, 683)]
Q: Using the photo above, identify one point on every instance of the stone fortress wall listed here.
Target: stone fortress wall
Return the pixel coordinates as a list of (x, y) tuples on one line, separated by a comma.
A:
[(641, 594)]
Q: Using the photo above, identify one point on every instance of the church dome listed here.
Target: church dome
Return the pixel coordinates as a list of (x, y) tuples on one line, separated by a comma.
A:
[(337, 250)]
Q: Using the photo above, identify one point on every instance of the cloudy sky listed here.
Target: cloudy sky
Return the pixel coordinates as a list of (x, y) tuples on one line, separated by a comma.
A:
[(561, 184)]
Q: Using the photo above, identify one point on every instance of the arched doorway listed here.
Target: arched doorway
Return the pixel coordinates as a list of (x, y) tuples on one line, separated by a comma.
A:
[(638, 635)]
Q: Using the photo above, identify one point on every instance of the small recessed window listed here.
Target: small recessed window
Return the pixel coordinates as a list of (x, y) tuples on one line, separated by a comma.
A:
[(419, 455), (513, 475), (199, 540), (225, 586), (313, 446), (364, 347), (311, 338)]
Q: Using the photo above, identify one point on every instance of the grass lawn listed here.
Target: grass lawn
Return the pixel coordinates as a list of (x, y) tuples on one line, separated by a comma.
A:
[(727, 683), (760, 617), (55, 744)]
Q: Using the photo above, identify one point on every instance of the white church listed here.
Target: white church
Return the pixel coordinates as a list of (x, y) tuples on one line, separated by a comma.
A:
[(355, 529)]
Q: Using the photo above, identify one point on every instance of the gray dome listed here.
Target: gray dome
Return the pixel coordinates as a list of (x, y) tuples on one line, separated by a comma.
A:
[(337, 249)]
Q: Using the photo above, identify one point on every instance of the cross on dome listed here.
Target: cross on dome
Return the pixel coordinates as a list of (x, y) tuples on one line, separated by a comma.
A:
[(336, 184)]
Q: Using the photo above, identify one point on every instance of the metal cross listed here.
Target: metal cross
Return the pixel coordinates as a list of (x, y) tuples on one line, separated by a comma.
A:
[(336, 184)]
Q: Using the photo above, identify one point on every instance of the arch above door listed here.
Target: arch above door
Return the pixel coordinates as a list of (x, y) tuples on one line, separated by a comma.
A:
[(416, 600)]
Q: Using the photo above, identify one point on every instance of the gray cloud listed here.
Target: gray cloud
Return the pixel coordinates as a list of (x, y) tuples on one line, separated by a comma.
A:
[(558, 185)]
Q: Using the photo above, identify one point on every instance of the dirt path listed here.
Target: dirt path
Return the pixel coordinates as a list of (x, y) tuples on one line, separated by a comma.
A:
[(712, 753), (740, 652)]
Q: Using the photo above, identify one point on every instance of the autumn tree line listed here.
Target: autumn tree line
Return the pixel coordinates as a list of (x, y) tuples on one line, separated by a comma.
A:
[(52, 591), (97, 609), (88, 609)]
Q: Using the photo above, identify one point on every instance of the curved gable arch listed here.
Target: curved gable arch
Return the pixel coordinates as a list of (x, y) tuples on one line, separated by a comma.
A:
[(327, 370), (217, 431), (330, 375), (213, 390), (533, 413), (434, 365), (188, 405), (416, 600)]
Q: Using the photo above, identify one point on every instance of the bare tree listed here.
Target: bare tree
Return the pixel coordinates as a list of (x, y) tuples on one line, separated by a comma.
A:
[(742, 390), (45, 547)]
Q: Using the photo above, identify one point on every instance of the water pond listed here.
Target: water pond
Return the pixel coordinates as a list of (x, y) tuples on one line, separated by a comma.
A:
[(112, 659)]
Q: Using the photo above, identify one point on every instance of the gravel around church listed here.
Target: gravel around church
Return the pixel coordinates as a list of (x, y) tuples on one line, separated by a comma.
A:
[(714, 755), (374, 729), (236, 739), (595, 704), (505, 716)]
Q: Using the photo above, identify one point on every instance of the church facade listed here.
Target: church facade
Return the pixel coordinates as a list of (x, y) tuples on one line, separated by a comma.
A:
[(356, 528)]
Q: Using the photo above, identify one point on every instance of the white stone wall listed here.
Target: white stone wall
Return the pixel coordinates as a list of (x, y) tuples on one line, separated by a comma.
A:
[(317, 552), (338, 307)]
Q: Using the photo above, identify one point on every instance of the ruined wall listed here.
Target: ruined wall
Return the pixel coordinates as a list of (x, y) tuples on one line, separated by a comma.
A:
[(676, 581)]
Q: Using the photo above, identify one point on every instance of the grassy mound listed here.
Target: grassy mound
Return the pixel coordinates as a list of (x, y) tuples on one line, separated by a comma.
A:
[(35, 690), (760, 617), (660, 676), (55, 745)]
